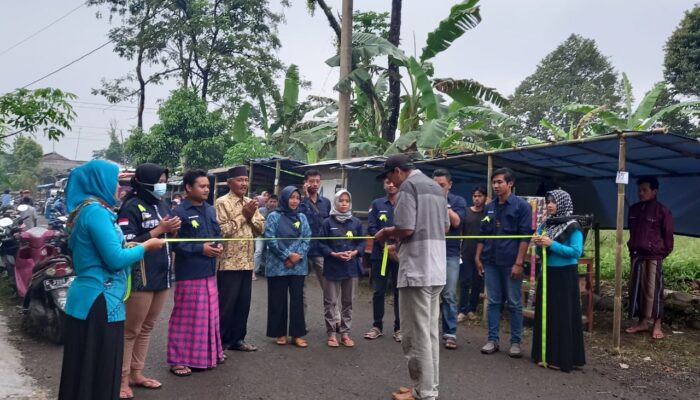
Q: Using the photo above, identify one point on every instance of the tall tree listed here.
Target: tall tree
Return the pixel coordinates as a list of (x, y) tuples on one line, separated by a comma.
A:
[(115, 150), (225, 50), (394, 107), (575, 72), (682, 60), (188, 135)]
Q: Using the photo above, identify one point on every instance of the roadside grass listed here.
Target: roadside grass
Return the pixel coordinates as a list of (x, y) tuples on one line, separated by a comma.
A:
[(680, 268)]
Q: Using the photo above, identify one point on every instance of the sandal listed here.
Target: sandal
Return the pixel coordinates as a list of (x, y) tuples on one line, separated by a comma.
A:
[(147, 383), (299, 342), (346, 341), (126, 394), (180, 371), (450, 343), (332, 341), (281, 340), (373, 333)]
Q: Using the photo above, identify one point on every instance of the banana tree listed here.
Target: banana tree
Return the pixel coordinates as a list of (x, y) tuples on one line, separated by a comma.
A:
[(599, 119)]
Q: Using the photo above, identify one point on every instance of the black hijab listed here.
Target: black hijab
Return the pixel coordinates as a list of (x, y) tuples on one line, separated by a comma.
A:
[(147, 175)]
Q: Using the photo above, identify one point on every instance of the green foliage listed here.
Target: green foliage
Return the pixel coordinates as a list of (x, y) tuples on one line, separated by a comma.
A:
[(19, 168), (27, 154), (251, 147), (188, 134), (28, 111), (240, 124), (115, 150), (575, 72), (468, 92), (679, 267), (463, 17), (682, 60), (371, 22)]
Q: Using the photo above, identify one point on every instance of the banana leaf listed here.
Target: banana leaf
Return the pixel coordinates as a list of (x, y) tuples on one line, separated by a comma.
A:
[(366, 46), (463, 17), (432, 132), (290, 94), (428, 100), (645, 106), (240, 124), (468, 92)]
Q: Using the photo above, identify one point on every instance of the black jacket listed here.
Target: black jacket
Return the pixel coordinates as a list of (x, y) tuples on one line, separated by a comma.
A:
[(136, 219)]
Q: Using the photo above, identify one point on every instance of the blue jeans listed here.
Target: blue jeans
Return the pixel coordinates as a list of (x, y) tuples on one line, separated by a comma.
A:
[(470, 287), (449, 299), (257, 256), (499, 287)]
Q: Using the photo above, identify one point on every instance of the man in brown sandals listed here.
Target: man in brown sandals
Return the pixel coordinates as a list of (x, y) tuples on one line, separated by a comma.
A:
[(651, 240), (420, 222)]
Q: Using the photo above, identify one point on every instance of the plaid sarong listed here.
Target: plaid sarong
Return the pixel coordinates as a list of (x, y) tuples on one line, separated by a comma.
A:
[(193, 330)]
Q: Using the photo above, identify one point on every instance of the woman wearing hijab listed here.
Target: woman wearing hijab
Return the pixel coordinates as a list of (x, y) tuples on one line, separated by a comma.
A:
[(93, 350), (142, 216), (341, 268), (563, 237), (286, 267)]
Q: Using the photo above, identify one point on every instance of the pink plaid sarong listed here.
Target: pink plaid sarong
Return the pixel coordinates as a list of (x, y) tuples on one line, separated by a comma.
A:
[(193, 330)]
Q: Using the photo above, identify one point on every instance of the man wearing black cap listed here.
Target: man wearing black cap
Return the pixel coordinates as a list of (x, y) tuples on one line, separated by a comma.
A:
[(238, 217), (420, 222)]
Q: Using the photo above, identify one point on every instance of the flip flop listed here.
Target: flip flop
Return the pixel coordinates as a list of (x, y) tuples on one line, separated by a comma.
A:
[(147, 383), (636, 329), (657, 335), (124, 395), (450, 343), (180, 371)]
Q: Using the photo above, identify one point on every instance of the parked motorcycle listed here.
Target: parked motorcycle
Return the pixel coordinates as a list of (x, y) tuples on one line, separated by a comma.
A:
[(44, 306), (9, 244), (35, 247)]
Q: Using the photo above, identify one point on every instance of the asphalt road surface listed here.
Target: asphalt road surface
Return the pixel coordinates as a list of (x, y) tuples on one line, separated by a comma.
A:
[(371, 370)]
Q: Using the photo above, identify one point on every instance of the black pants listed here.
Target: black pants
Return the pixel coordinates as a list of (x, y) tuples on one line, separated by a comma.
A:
[(92, 356), (470, 287), (380, 286), (235, 289), (285, 303)]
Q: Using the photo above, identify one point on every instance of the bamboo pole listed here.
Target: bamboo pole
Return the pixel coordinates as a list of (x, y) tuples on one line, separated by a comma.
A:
[(250, 179), (617, 316), (489, 173), (278, 171), (343, 140)]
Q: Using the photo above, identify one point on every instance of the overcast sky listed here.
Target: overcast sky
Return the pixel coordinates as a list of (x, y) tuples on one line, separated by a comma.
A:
[(512, 38)]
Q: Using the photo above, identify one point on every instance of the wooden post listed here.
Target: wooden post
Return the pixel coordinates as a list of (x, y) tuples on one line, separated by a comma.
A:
[(596, 255), (250, 179), (278, 170), (344, 178), (489, 172), (343, 140), (617, 313)]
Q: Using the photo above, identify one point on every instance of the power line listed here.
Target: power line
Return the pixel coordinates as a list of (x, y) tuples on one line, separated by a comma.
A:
[(110, 104), (69, 64), (42, 29)]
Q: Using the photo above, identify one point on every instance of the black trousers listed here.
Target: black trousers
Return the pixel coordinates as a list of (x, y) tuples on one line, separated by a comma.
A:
[(92, 356), (235, 289), (380, 287), (285, 306)]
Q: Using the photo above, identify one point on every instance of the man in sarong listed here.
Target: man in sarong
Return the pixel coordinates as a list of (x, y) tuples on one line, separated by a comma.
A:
[(651, 240)]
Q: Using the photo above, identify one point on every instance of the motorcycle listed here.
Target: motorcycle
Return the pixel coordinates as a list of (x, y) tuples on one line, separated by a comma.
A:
[(44, 305), (35, 247), (9, 244)]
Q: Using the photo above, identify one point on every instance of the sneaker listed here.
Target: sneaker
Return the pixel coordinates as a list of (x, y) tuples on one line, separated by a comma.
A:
[(373, 333), (489, 348), (398, 337), (461, 317), (515, 350), (471, 316)]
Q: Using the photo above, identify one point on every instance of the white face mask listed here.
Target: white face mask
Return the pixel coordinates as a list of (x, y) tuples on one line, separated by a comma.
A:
[(159, 189)]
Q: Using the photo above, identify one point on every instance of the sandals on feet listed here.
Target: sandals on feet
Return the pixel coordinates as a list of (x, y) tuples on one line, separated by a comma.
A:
[(299, 342), (373, 333), (332, 341), (126, 394), (147, 383), (450, 343), (346, 341), (281, 340), (180, 371)]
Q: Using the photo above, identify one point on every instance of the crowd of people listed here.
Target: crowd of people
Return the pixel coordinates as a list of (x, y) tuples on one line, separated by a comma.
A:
[(126, 262)]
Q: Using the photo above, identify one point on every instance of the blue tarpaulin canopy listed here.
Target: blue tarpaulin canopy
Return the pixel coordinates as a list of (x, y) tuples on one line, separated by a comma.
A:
[(587, 168)]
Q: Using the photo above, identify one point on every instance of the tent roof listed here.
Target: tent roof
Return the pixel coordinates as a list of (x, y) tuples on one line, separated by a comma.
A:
[(648, 153)]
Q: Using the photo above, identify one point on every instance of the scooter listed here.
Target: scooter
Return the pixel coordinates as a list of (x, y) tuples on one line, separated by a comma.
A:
[(44, 306), (34, 248), (9, 244)]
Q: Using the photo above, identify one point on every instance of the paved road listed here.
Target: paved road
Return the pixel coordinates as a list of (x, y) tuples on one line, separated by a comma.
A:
[(371, 370)]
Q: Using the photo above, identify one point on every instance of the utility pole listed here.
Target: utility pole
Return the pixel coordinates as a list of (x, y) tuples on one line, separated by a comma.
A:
[(77, 144), (343, 141)]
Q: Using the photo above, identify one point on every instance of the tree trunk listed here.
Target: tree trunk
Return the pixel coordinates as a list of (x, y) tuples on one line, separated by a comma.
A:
[(389, 124), (343, 138), (331, 18), (142, 89)]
